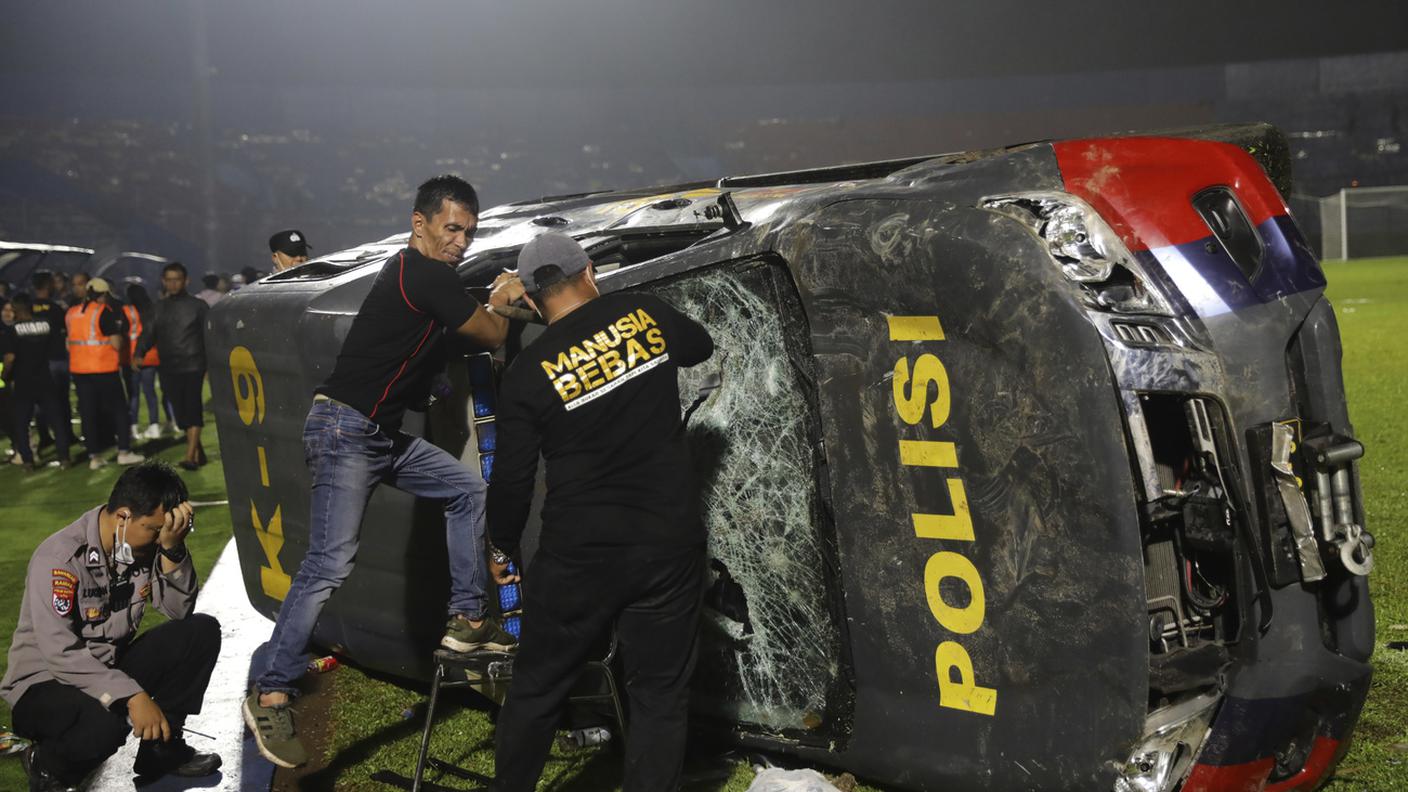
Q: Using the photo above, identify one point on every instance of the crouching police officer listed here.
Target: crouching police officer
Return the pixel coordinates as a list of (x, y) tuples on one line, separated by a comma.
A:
[(77, 681)]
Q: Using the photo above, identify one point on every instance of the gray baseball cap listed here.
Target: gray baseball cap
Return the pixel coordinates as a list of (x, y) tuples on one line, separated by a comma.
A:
[(550, 248)]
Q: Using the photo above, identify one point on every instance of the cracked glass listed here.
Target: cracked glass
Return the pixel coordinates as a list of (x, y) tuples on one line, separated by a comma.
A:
[(770, 653)]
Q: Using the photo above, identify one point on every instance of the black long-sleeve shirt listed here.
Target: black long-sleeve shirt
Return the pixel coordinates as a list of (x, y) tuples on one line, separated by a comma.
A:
[(597, 395), (177, 330)]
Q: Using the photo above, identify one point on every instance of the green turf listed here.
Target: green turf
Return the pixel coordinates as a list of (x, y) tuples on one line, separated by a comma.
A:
[(1370, 297), (34, 505)]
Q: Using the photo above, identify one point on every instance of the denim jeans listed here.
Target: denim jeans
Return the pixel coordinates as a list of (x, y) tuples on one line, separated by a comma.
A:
[(142, 382), (349, 455)]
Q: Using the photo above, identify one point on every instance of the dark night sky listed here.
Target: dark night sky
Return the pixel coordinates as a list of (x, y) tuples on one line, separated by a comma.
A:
[(669, 47), (670, 79)]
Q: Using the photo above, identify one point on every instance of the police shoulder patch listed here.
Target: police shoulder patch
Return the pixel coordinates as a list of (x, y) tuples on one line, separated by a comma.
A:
[(63, 603)]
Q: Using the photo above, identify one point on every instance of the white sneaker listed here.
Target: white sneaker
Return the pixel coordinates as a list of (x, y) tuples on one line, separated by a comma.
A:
[(129, 458), (153, 432), (176, 430), (96, 462), (136, 431)]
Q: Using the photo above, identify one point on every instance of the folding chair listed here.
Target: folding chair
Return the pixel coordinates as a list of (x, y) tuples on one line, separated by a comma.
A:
[(490, 673)]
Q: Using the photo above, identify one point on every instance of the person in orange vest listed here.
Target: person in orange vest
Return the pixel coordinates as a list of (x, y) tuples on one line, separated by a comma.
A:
[(142, 379), (95, 343)]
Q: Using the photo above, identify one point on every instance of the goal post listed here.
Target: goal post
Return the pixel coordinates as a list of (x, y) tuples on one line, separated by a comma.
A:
[(1363, 222)]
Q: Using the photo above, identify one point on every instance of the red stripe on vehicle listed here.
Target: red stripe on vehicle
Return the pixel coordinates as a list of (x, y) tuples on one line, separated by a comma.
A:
[(1322, 757), (402, 370), (401, 281), (1144, 186), (1248, 777)]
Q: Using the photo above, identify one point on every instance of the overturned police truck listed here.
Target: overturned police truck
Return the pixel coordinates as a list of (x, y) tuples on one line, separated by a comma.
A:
[(1026, 468)]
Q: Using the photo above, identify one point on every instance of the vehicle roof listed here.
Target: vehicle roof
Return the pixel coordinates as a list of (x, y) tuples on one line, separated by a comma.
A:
[(44, 248)]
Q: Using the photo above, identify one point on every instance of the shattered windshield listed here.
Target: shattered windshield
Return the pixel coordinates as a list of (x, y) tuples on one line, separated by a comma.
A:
[(771, 642)]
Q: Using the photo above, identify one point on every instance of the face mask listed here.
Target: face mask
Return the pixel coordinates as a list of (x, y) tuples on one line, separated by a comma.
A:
[(121, 550)]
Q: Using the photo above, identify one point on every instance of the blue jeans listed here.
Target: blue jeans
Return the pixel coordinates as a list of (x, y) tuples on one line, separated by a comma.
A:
[(142, 382), (349, 455)]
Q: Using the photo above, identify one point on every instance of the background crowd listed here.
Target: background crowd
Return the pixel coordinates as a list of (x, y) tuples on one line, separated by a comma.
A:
[(108, 350)]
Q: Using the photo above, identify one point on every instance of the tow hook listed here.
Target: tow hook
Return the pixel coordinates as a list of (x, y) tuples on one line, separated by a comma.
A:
[(1331, 457)]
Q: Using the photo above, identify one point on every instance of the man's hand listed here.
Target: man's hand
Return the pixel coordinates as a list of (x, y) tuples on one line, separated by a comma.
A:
[(500, 572), (177, 524), (505, 290), (148, 721), (486, 328)]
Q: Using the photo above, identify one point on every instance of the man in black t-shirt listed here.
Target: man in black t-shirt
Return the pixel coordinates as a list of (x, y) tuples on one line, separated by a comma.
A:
[(597, 396), (25, 350), (353, 442)]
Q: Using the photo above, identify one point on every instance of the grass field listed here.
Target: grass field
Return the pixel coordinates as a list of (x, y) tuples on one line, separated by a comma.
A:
[(367, 730), (1371, 301)]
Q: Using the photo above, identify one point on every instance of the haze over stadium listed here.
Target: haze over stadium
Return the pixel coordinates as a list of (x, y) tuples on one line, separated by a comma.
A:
[(187, 130)]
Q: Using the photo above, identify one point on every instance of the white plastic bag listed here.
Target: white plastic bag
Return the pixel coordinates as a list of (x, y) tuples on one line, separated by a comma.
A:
[(775, 779)]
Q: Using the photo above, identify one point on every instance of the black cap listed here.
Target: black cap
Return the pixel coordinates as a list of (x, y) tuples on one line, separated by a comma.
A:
[(290, 243)]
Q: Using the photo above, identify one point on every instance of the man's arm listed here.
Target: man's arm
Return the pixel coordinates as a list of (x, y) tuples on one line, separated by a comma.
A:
[(489, 329), (109, 326), (515, 471), (691, 344), (52, 601), (174, 583)]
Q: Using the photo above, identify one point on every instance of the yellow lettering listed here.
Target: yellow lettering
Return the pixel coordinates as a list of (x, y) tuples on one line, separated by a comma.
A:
[(596, 344), (656, 340), (567, 386), (272, 578), (590, 375), (957, 526), (554, 369), (928, 453), (578, 356), (915, 328), (643, 319), (626, 326), (263, 466), (962, 693), (612, 365), (634, 352), (249, 386), (944, 565), (910, 405)]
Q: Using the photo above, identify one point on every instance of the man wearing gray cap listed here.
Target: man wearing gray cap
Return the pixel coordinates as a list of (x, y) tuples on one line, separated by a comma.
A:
[(288, 249), (597, 395)]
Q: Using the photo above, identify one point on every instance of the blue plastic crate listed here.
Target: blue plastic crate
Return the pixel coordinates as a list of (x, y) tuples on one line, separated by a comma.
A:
[(488, 434), (483, 403)]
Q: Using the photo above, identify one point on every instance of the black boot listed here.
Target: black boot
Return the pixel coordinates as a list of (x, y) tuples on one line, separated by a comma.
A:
[(41, 780), (156, 759)]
